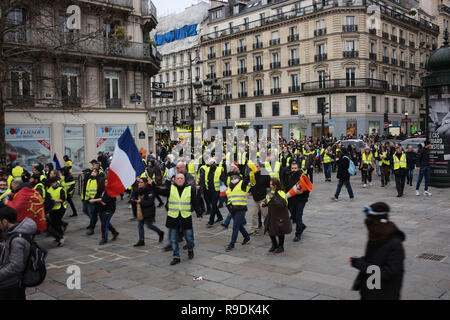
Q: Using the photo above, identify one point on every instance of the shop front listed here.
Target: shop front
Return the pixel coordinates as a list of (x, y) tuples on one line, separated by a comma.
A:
[(107, 136), (74, 140), (352, 128), (29, 144), (374, 127)]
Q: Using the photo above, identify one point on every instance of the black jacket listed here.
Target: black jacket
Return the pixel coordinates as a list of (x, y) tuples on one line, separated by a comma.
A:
[(259, 190), (292, 180), (342, 170), (411, 160), (423, 158), (148, 195), (389, 257)]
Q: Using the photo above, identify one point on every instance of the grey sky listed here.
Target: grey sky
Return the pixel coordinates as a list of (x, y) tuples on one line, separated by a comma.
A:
[(165, 7)]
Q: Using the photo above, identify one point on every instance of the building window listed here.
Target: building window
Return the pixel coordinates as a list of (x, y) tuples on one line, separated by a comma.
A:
[(350, 74), (258, 110), (181, 75), (160, 116), (242, 112), (320, 103), (167, 115), (275, 109), (181, 94), (386, 105), (294, 80), (276, 82), (174, 60), (349, 21), (182, 114), (413, 106), (21, 82), (403, 106), (351, 104), (395, 106), (69, 85), (112, 85), (174, 76), (349, 45), (213, 113), (259, 85), (294, 107), (374, 104), (321, 78)]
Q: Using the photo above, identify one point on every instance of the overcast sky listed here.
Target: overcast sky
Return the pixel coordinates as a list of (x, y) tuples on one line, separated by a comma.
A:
[(165, 7)]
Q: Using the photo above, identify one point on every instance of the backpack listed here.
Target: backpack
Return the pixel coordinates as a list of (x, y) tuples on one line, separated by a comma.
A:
[(35, 270), (351, 167)]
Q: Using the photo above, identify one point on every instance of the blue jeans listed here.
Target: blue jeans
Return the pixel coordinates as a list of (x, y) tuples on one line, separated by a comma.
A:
[(238, 226), (173, 237), (297, 217), (213, 197), (410, 176), (327, 170), (150, 225), (93, 215), (424, 172), (228, 220), (105, 218), (377, 164), (347, 185), (85, 207)]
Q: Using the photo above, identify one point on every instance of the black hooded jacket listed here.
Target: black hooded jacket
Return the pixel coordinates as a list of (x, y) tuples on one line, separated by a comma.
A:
[(389, 256)]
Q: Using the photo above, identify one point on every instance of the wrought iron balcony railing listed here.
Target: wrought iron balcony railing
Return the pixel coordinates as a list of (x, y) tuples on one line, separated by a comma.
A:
[(258, 67), (350, 54), (113, 103), (294, 62), (320, 32), (344, 83)]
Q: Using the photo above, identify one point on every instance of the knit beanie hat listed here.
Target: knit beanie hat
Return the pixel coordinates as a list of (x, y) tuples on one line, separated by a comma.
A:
[(378, 211)]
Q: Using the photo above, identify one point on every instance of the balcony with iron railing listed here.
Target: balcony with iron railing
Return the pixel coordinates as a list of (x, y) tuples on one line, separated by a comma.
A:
[(258, 93), (394, 87), (23, 100), (227, 73), (113, 103), (211, 55), (386, 35), (275, 91), (293, 62), (275, 65), (78, 43), (274, 42), (412, 44), (119, 3), (342, 84), (320, 57), (402, 41), (318, 7), (258, 67), (257, 45), (373, 31), (293, 89), (393, 38), (227, 96), (350, 28), (226, 52), (444, 8), (372, 56), (242, 49), (293, 37), (402, 89), (148, 9), (243, 94), (242, 70), (350, 54), (385, 59), (71, 102), (402, 64), (414, 91), (394, 61), (412, 66), (211, 76), (320, 32)]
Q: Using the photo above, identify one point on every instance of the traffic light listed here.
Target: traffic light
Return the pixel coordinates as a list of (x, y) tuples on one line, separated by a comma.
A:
[(175, 120), (324, 108)]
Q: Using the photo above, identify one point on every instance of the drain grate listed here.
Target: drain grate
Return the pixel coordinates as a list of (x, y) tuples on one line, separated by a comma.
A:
[(432, 257)]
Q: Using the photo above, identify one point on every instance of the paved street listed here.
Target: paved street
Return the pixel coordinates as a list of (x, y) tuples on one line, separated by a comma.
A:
[(315, 268)]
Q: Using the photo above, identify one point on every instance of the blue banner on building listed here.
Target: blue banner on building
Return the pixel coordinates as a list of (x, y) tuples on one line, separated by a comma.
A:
[(178, 34)]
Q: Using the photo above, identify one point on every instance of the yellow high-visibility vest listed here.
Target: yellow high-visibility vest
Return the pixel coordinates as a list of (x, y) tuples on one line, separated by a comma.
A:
[(67, 185), (56, 195), (191, 169), (281, 193), (17, 172), (326, 158), (180, 204), (42, 188), (385, 161), (399, 163), (237, 197), (275, 173), (217, 175), (69, 165), (367, 159), (91, 189)]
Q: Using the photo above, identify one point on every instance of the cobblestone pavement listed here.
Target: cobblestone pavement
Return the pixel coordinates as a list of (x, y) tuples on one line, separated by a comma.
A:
[(314, 268)]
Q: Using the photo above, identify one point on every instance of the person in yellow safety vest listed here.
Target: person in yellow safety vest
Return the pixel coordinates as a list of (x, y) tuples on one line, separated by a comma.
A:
[(181, 204), (90, 193), (68, 163), (236, 201), (192, 169), (214, 175), (241, 159), (4, 190), (278, 222), (400, 169), (285, 158), (327, 156), (385, 166), (367, 166), (35, 171), (68, 183), (275, 172), (58, 195), (16, 173)]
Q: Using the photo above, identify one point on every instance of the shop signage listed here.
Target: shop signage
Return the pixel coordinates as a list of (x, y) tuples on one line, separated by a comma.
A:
[(15, 133), (112, 131), (242, 124), (135, 97), (142, 135), (158, 85), (73, 132)]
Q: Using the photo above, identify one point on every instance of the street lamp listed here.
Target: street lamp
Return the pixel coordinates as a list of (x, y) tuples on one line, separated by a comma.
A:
[(208, 94), (329, 95), (406, 123), (196, 60)]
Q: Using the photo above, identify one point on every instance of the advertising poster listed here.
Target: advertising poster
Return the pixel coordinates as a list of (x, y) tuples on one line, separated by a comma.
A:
[(108, 135), (74, 147), (439, 132), (30, 144)]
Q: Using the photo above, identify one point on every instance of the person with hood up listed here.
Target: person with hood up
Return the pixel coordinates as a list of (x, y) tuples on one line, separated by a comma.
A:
[(384, 250), (14, 253)]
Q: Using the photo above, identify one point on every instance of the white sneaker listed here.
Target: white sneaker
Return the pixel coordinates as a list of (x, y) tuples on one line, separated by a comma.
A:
[(371, 184), (417, 193), (426, 193), (365, 186)]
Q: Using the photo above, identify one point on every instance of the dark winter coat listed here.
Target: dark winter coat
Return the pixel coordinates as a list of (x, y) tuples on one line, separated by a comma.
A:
[(14, 253), (291, 180), (411, 160), (277, 221), (423, 158), (148, 202), (342, 170), (389, 256), (259, 190)]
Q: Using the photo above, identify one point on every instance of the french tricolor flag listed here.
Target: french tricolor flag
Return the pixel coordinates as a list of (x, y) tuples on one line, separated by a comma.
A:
[(125, 167)]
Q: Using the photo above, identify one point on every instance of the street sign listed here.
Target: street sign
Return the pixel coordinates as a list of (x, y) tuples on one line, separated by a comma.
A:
[(162, 94), (135, 97), (330, 122), (386, 125), (158, 85)]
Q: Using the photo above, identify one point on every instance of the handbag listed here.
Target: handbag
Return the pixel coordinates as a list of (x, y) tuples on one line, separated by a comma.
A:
[(139, 216)]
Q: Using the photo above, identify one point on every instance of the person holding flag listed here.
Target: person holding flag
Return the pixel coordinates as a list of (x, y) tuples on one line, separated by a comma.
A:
[(56, 164)]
